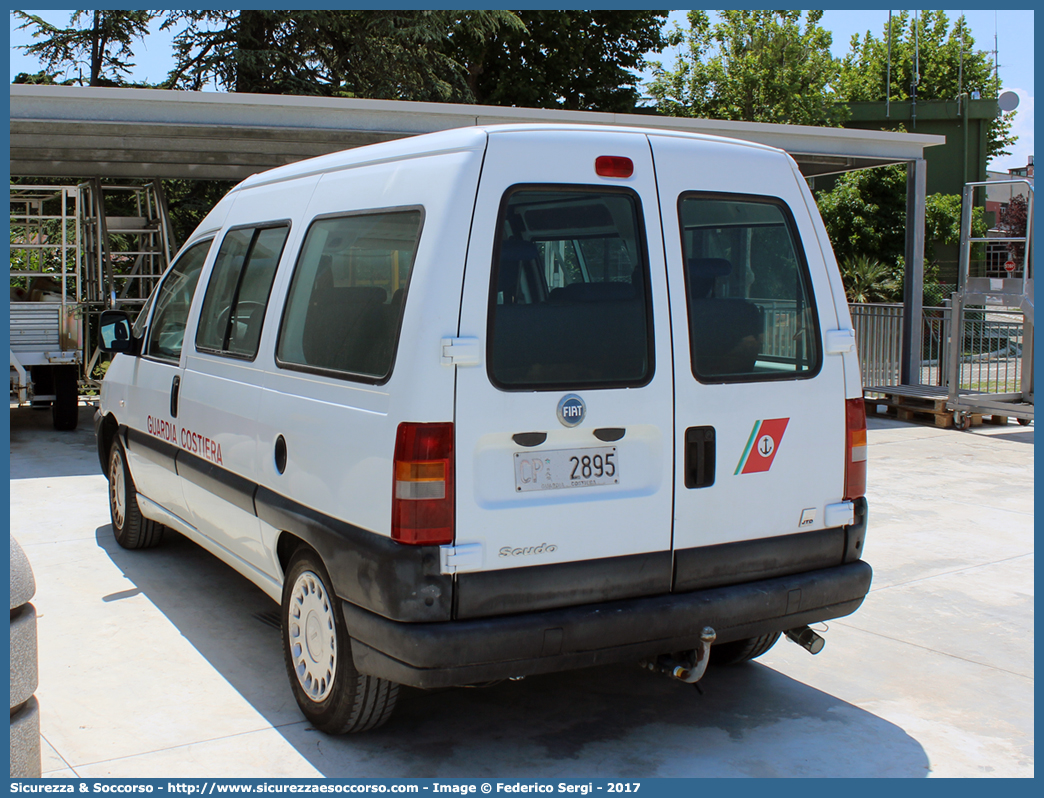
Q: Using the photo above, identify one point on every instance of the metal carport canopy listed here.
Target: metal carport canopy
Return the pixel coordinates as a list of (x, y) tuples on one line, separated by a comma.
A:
[(70, 131), (77, 132)]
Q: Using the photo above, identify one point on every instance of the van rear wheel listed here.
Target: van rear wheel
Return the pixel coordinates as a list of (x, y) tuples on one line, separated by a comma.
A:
[(737, 651), (331, 693)]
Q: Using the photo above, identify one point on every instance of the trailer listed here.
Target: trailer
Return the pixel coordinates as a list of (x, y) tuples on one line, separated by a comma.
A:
[(75, 251), (45, 282)]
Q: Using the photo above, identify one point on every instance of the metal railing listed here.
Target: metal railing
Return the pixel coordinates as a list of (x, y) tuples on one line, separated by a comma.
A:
[(991, 347), (879, 340), (781, 328)]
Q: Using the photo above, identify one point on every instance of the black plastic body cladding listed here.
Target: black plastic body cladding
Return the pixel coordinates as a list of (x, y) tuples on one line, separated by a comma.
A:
[(395, 581), (470, 651)]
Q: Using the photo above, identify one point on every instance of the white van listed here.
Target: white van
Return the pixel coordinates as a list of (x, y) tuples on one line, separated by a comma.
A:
[(502, 401)]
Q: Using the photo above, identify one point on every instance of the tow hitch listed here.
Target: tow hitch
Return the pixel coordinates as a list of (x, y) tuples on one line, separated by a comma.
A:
[(686, 666)]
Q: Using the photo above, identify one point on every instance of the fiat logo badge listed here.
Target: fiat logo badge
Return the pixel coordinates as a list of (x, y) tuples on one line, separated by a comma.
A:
[(571, 410)]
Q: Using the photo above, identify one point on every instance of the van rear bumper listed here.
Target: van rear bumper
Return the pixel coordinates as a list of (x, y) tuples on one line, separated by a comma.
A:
[(471, 651)]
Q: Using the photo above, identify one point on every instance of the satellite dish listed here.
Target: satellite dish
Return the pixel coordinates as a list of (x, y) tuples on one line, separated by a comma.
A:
[(1008, 101)]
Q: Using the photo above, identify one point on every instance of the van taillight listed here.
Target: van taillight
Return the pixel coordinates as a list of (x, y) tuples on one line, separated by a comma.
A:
[(855, 449), (422, 498)]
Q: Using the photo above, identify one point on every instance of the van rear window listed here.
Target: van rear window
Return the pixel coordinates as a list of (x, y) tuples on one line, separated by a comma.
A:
[(569, 299), (751, 315), (344, 308)]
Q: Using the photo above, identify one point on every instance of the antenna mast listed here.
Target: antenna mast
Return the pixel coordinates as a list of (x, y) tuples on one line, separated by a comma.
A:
[(888, 71)]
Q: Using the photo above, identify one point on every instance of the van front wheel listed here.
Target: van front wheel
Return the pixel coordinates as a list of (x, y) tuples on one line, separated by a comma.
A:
[(131, 529), (331, 693)]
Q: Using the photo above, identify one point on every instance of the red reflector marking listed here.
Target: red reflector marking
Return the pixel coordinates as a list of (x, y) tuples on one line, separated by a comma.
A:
[(613, 166)]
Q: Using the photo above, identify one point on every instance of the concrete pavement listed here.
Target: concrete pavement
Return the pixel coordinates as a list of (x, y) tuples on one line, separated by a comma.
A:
[(167, 663)]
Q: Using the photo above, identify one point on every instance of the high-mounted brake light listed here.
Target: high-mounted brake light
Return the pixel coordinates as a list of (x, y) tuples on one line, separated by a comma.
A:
[(422, 500), (855, 449), (613, 166)]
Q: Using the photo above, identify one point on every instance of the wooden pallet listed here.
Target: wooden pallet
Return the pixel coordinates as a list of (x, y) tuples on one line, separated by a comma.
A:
[(919, 403), (915, 408)]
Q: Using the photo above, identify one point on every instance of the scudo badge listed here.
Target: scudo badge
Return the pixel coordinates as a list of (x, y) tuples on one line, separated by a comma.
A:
[(571, 410)]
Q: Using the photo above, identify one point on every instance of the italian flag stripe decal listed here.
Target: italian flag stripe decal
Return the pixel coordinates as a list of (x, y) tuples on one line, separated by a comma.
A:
[(761, 448), (746, 449)]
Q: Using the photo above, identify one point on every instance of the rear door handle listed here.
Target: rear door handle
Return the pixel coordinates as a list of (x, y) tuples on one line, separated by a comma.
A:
[(699, 457), (175, 389)]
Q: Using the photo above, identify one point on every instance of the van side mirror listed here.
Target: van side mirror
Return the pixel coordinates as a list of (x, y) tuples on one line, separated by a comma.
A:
[(116, 333)]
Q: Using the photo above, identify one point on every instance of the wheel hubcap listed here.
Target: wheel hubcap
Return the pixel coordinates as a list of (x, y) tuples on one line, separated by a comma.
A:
[(312, 636), (117, 491)]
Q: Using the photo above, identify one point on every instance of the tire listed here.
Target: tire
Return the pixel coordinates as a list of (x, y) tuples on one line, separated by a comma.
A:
[(129, 527), (737, 651), (1024, 422), (331, 693), (65, 410)]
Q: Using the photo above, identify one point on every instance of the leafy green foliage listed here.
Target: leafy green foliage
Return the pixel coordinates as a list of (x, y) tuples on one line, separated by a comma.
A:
[(865, 217), (189, 201), (865, 214), (41, 78), (576, 60), (552, 59), (941, 72), (754, 66), (868, 280), (942, 222), (103, 47), (386, 54)]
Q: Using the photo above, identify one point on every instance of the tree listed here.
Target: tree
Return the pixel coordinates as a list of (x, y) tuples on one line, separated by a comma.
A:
[(934, 47), (41, 78), (387, 54), (865, 217), (868, 280), (1012, 222), (104, 47), (577, 60), (754, 66), (865, 214), (942, 222)]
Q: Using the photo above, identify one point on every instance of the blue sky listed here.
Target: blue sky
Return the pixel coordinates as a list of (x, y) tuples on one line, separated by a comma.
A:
[(1014, 36)]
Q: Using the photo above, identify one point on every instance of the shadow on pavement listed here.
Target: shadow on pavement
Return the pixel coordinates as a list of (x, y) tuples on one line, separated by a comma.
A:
[(606, 721), (1010, 433), (53, 453)]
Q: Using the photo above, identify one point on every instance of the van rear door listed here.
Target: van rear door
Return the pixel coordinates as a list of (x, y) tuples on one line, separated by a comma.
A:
[(564, 417), (760, 404)]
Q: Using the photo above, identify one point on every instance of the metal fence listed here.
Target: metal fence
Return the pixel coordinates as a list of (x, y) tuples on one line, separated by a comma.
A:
[(990, 345), (879, 340)]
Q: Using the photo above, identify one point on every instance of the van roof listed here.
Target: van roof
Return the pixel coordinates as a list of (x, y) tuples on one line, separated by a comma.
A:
[(456, 140)]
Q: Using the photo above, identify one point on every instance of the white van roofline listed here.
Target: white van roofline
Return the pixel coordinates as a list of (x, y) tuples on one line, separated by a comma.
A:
[(466, 139)]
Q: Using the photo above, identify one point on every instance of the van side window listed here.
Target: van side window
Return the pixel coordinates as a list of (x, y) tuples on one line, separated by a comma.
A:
[(751, 315), (237, 294), (345, 303), (569, 305), (172, 300)]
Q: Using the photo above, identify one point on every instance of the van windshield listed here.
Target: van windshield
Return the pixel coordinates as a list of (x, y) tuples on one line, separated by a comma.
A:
[(569, 301)]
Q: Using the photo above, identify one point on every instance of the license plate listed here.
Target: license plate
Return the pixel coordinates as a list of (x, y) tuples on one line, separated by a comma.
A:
[(566, 468)]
